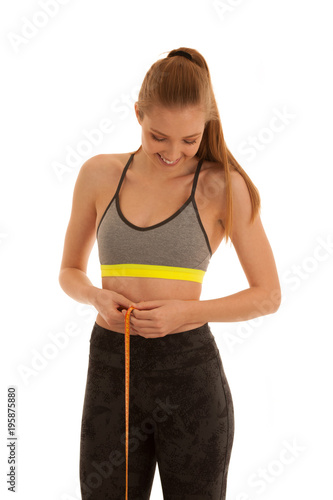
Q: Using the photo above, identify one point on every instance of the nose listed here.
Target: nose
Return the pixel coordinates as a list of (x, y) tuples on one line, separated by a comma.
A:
[(172, 154)]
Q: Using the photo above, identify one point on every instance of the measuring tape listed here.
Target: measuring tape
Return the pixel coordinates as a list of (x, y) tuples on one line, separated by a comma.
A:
[(127, 374)]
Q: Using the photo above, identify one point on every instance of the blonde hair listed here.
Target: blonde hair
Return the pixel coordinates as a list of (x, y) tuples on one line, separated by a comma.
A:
[(176, 82)]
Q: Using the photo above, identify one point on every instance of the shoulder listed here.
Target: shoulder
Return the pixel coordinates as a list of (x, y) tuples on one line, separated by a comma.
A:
[(98, 176), (104, 163), (101, 169), (215, 171), (215, 184)]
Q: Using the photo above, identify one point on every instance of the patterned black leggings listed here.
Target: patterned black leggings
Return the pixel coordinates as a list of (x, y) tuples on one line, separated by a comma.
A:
[(181, 416)]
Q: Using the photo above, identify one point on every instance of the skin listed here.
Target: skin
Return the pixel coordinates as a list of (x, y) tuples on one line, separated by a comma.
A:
[(152, 192)]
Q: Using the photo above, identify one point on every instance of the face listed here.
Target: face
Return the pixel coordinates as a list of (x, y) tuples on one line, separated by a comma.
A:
[(171, 137)]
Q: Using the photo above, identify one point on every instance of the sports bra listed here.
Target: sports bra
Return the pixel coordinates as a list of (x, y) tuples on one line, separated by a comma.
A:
[(176, 248)]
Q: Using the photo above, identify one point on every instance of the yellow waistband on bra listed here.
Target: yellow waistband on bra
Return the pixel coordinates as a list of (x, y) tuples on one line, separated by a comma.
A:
[(148, 271)]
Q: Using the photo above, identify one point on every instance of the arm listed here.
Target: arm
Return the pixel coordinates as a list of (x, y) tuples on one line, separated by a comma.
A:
[(77, 285), (80, 238), (257, 260)]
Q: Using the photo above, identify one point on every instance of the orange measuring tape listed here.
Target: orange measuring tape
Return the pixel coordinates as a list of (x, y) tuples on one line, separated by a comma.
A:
[(127, 374)]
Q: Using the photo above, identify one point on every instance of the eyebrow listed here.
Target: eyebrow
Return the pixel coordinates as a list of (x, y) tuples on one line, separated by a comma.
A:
[(192, 135)]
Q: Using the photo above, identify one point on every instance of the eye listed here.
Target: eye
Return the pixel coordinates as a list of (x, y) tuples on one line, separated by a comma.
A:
[(160, 140), (155, 138)]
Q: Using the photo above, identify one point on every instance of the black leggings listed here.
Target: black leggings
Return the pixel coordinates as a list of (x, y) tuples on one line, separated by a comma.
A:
[(181, 415)]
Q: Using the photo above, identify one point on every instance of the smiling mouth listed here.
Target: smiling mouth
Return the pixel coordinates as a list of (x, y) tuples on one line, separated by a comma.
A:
[(166, 162)]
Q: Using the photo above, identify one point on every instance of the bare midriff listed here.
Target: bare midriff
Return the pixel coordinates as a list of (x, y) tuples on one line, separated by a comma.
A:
[(147, 289)]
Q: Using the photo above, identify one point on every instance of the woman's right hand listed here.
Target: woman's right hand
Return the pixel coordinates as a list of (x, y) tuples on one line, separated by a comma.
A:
[(109, 304)]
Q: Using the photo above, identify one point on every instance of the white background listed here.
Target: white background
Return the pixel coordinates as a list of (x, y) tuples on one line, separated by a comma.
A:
[(86, 64)]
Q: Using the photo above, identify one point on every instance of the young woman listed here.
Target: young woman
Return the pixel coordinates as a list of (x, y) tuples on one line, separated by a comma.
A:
[(159, 214)]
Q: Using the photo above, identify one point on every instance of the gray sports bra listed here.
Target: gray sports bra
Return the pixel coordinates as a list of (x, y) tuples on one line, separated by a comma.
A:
[(176, 248)]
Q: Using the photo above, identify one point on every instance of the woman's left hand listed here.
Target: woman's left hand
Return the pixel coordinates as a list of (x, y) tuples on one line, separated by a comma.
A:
[(157, 318)]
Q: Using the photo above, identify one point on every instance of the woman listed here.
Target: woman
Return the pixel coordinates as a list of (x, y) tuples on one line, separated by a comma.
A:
[(159, 214)]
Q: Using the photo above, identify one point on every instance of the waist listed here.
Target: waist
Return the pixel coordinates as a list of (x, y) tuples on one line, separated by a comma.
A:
[(146, 289), (177, 350)]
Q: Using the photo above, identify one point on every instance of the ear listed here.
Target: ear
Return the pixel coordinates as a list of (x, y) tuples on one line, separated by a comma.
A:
[(137, 112)]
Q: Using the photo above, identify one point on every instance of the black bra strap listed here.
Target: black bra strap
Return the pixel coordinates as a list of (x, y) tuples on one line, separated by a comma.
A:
[(124, 173), (196, 176)]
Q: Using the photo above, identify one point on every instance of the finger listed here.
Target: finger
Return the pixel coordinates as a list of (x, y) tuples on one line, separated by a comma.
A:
[(147, 330), (142, 315), (139, 324), (151, 304)]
